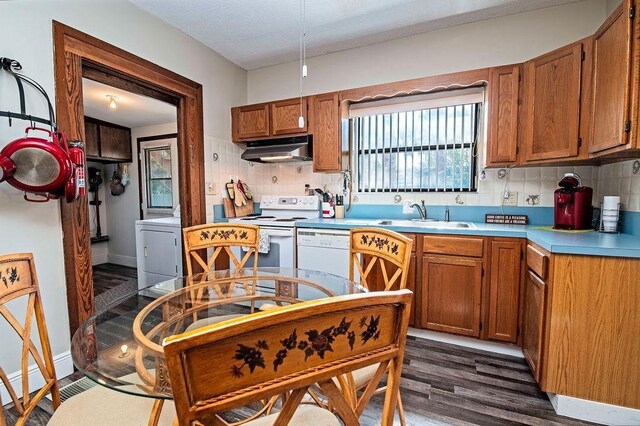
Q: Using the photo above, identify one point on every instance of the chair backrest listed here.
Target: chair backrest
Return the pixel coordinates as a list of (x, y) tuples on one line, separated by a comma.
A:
[(18, 281), (221, 237), (390, 251), (236, 362)]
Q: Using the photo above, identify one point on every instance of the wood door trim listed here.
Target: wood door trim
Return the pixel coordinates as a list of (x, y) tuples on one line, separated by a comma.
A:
[(74, 49)]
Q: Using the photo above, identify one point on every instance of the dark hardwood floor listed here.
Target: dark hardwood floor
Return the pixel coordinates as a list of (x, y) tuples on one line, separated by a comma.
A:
[(107, 276), (445, 384)]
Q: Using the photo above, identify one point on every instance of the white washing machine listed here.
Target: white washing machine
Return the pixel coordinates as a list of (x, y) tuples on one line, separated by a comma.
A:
[(158, 250)]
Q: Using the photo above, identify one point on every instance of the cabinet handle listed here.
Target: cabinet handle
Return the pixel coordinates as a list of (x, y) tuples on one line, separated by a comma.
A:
[(145, 251)]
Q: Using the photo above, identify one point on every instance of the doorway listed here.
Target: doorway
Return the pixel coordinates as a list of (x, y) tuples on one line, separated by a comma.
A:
[(78, 55)]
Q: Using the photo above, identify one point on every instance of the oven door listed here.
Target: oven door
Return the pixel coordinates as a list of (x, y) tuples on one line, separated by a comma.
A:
[(281, 249)]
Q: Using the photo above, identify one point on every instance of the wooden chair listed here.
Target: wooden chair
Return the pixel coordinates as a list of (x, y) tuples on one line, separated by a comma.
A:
[(97, 406), (388, 254), (219, 237), (387, 249), (285, 351), (18, 280)]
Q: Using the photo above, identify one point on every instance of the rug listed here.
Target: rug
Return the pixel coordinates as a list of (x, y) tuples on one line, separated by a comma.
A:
[(105, 299)]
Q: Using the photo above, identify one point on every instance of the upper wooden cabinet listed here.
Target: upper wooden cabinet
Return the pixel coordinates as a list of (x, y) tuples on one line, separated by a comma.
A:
[(251, 121), (551, 104), (327, 147), (285, 116), (107, 142), (612, 81), (502, 124)]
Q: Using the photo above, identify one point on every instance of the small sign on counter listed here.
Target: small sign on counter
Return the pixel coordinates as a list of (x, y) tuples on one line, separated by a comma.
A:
[(507, 219)]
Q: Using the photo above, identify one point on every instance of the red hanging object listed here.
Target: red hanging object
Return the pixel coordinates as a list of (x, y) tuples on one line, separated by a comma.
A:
[(47, 168)]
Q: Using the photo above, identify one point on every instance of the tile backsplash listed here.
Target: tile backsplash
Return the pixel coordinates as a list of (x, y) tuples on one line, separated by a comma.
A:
[(619, 179), (290, 179)]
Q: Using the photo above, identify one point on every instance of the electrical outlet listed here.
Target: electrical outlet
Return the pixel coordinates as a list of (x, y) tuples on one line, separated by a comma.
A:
[(511, 200), (211, 188)]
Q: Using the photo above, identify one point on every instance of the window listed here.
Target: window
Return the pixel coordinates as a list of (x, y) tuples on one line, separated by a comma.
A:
[(421, 144), (158, 177)]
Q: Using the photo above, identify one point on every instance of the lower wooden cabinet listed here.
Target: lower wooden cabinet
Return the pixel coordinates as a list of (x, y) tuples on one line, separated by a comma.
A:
[(504, 289), (452, 291), (533, 322)]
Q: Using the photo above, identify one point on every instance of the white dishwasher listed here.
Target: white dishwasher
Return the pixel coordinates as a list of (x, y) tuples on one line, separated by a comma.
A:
[(325, 250)]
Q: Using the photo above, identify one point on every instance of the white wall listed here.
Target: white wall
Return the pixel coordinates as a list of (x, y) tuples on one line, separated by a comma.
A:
[(36, 227), (124, 210), (498, 41)]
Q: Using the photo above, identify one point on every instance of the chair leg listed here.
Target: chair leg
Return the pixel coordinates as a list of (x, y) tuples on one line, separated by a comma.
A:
[(403, 421)]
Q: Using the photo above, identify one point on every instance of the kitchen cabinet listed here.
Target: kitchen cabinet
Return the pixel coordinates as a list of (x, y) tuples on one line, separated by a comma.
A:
[(551, 105), (504, 289), (285, 116), (251, 121), (107, 142), (91, 142), (452, 288), (533, 322), (502, 123), (612, 81), (327, 148)]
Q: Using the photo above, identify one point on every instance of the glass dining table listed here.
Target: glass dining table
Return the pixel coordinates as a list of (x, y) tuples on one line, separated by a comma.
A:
[(120, 347)]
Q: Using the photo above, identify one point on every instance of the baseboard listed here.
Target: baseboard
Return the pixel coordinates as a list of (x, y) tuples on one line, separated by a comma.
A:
[(469, 342), (592, 411), (119, 259), (63, 365)]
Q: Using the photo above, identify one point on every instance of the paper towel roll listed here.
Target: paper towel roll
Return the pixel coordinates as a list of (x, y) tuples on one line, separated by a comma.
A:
[(611, 202)]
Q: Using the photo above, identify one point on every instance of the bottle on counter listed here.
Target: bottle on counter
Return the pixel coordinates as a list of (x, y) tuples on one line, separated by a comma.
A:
[(339, 209)]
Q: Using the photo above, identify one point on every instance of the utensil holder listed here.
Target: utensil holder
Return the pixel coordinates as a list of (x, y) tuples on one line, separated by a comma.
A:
[(610, 222)]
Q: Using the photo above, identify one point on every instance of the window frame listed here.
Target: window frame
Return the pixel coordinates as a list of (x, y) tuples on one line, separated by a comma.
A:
[(407, 104), (148, 179)]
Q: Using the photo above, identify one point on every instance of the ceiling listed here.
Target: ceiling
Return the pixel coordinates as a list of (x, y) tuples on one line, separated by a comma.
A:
[(259, 33), (133, 110)]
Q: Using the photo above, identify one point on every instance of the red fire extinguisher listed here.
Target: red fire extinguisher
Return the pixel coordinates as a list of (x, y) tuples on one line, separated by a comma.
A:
[(76, 154)]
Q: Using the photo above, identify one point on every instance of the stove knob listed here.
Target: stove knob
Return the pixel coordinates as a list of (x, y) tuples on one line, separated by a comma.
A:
[(294, 201)]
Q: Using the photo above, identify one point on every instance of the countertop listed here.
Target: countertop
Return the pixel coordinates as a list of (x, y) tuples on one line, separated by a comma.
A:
[(585, 243)]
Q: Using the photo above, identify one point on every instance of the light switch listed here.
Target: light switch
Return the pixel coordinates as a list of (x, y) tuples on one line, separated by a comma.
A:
[(511, 200), (211, 188)]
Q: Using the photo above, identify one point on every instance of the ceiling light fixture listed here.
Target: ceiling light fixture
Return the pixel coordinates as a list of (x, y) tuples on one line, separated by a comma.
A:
[(303, 55), (112, 101)]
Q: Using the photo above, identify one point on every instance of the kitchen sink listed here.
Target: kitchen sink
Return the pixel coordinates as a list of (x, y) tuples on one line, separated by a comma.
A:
[(428, 223)]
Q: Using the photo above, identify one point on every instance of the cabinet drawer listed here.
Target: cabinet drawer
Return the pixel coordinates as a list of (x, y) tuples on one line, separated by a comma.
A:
[(537, 261), (454, 246)]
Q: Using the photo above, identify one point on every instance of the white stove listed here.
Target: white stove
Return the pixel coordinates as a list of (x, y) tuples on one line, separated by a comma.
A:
[(283, 211), (277, 221)]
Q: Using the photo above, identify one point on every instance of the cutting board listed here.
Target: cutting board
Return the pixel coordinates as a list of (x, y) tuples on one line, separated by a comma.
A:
[(244, 210), (231, 210)]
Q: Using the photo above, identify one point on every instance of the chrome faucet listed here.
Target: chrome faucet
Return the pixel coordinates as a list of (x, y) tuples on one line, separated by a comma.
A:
[(422, 209)]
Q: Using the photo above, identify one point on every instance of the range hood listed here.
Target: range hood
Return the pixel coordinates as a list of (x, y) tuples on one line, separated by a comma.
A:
[(280, 150)]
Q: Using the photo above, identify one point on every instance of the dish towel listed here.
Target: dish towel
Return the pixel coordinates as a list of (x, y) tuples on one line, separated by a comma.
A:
[(263, 246)]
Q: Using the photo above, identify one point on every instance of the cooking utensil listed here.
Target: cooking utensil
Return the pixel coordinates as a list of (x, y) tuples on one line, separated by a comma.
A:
[(49, 168), (230, 190)]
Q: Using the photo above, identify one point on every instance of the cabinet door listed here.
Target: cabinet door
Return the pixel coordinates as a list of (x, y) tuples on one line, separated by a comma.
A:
[(533, 322), (502, 125), (115, 143), (91, 147), (451, 290), (160, 252), (551, 101), (326, 133), (612, 81), (504, 290), (285, 115), (252, 121)]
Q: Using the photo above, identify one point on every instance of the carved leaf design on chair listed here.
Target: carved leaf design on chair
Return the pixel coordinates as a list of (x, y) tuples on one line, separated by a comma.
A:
[(371, 330), (10, 276), (223, 234), (251, 357), (380, 243)]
